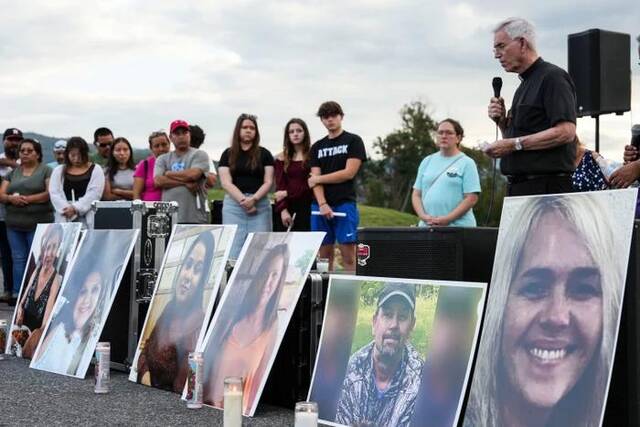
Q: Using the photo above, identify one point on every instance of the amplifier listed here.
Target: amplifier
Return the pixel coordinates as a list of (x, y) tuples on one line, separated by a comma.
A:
[(437, 253)]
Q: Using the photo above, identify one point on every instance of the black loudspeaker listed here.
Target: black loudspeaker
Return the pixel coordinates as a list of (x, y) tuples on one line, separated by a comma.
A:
[(414, 253), (440, 253), (600, 66)]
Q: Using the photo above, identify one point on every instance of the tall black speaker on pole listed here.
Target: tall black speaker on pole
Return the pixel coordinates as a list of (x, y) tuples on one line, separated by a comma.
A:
[(600, 66)]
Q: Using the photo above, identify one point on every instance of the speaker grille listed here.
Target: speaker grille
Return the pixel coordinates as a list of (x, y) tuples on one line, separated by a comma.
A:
[(416, 254)]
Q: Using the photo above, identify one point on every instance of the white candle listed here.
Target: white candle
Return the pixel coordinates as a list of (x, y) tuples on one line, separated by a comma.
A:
[(306, 419), (322, 265), (306, 414), (232, 408)]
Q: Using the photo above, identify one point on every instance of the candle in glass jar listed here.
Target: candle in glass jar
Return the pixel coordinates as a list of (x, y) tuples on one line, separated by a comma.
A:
[(306, 414), (232, 402), (322, 265)]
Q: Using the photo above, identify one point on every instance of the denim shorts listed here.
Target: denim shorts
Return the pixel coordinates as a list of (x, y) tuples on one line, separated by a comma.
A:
[(233, 213)]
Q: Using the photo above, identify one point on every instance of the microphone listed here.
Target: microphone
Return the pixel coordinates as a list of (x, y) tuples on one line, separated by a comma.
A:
[(635, 136), (497, 86)]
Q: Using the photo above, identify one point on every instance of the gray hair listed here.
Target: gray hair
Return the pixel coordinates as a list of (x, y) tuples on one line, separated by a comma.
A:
[(518, 27), (587, 214)]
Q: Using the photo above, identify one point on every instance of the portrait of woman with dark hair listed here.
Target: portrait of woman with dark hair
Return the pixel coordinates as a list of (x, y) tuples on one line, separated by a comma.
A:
[(245, 336), (551, 324), (65, 343), (41, 289), (163, 360)]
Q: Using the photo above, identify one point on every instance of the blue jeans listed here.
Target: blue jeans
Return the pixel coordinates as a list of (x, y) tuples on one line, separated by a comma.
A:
[(20, 242), (233, 213)]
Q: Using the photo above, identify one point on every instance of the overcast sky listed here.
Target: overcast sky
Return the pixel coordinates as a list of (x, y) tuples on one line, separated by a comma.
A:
[(69, 67)]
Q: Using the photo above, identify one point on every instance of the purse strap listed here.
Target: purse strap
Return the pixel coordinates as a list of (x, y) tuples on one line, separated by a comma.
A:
[(442, 172)]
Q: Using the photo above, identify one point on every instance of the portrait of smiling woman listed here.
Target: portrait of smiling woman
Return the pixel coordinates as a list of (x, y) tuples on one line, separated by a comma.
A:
[(65, 343), (162, 362), (550, 329)]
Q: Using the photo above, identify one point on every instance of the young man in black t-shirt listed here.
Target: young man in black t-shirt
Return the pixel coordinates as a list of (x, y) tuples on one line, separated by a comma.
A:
[(335, 161)]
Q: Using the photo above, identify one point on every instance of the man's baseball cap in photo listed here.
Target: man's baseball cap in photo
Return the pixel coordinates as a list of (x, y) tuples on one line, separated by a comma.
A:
[(177, 124), (12, 133), (406, 291), (60, 145)]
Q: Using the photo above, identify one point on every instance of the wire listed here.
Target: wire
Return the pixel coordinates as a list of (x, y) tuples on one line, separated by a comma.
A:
[(493, 187)]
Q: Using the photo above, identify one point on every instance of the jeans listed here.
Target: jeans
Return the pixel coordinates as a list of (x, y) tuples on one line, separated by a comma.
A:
[(20, 242), (5, 255), (233, 213)]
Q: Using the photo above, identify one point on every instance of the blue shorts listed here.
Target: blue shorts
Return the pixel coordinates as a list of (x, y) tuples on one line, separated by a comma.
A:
[(341, 229)]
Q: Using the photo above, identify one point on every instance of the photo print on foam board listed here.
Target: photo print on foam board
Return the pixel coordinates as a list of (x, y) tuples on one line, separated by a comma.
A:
[(548, 343), (51, 253), (423, 333), (254, 311), (73, 330), (181, 305)]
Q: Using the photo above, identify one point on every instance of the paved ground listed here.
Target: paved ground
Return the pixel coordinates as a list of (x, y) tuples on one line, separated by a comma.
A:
[(34, 398)]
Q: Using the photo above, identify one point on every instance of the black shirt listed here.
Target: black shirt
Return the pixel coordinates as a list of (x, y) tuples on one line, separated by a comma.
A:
[(75, 186), (546, 96), (331, 155), (247, 180)]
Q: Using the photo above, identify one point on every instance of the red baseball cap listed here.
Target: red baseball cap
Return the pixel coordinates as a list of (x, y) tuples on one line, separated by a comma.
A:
[(177, 124)]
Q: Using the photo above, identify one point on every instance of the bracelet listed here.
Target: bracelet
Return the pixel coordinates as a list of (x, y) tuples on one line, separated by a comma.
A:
[(322, 204)]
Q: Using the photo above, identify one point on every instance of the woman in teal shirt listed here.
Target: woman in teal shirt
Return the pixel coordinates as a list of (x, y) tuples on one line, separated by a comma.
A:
[(447, 184)]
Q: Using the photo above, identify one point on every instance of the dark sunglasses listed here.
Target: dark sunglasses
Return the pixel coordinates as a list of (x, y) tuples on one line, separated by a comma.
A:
[(103, 144), (244, 116)]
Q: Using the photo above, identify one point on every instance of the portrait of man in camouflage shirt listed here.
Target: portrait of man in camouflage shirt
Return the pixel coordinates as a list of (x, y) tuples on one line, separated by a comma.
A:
[(383, 377)]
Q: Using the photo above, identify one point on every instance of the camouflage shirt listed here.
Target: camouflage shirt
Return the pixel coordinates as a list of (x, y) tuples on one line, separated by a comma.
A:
[(361, 403)]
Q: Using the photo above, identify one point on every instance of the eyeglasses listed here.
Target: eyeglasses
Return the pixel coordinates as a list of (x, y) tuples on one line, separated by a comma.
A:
[(501, 47)]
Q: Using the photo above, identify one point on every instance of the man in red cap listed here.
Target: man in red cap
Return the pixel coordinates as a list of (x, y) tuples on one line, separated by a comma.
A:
[(181, 174)]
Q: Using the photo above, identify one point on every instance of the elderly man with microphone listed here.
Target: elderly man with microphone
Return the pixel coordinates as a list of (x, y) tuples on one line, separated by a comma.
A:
[(539, 130)]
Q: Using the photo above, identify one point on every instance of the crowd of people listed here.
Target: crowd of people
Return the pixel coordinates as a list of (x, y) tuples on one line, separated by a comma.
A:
[(33, 192)]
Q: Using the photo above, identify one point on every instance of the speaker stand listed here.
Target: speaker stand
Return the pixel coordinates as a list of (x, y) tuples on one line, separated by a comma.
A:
[(597, 117)]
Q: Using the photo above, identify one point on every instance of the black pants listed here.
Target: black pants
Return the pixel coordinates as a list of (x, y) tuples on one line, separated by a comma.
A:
[(302, 209), (541, 185)]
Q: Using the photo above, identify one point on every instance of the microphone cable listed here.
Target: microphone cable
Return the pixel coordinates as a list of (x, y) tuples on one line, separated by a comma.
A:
[(496, 83), (493, 186)]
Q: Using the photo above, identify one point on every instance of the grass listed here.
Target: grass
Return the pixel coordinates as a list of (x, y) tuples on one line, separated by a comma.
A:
[(370, 216), (421, 336)]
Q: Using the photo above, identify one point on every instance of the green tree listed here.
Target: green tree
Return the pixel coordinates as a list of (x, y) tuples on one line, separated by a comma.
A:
[(390, 180), (488, 179)]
